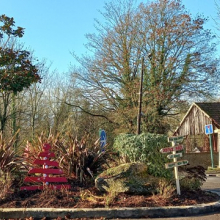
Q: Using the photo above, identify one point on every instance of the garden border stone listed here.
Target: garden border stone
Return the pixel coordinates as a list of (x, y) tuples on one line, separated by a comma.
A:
[(111, 213)]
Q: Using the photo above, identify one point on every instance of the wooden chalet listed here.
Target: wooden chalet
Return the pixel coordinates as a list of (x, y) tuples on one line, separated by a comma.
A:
[(193, 126)]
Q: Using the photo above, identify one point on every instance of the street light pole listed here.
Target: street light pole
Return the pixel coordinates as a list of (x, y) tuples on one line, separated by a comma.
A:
[(140, 98)]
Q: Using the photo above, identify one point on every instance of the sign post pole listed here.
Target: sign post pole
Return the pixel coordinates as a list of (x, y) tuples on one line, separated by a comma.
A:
[(209, 131), (176, 171), (218, 132), (174, 156), (211, 151)]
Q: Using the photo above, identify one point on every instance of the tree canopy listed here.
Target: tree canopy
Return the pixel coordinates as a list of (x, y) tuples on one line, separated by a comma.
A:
[(178, 57), (16, 69)]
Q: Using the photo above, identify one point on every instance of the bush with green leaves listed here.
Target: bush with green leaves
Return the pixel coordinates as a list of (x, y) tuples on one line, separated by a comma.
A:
[(192, 178), (144, 148), (165, 187)]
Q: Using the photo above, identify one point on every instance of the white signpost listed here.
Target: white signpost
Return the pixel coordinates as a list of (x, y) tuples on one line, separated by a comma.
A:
[(176, 164), (171, 149), (176, 139), (174, 156)]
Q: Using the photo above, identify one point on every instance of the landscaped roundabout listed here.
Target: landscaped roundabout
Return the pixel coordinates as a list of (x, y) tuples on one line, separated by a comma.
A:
[(99, 184)]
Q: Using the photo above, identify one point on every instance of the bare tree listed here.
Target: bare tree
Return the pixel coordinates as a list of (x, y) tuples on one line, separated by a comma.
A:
[(176, 50)]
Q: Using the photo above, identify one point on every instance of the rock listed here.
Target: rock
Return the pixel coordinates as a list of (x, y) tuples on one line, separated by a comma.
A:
[(128, 178)]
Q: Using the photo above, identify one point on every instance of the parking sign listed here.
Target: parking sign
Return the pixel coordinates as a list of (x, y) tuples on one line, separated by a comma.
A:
[(209, 129), (102, 139)]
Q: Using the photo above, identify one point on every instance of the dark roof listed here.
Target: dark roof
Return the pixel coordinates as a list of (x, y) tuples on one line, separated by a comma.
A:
[(212, 109)]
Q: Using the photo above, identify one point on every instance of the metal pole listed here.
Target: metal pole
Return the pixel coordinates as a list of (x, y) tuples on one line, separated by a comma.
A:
[(211, 151), (218, 133), (140, 98)]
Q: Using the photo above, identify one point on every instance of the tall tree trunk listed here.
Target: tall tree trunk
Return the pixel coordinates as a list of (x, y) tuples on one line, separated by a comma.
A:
[(14, 123)]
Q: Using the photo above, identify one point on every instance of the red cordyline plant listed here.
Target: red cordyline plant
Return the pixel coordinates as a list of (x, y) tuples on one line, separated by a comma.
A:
[(10, 163), (79, 159), (30, 153)]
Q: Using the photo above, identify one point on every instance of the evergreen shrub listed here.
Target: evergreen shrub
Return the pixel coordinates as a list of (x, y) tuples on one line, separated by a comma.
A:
[(145, 148)]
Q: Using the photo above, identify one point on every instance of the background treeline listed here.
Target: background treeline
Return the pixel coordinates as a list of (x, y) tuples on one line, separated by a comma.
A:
[(179, 66)]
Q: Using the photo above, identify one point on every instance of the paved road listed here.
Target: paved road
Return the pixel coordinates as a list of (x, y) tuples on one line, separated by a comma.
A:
[(212, 183), (203, 217)]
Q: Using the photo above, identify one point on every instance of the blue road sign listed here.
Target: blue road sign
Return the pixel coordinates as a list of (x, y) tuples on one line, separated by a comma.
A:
[(103, 138), (209, 129)]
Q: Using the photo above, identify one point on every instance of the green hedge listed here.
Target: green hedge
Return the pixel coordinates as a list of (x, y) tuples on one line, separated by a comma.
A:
[(145, 148)]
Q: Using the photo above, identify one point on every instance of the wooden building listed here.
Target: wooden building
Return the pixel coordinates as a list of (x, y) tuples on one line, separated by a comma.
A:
[(193, 126)]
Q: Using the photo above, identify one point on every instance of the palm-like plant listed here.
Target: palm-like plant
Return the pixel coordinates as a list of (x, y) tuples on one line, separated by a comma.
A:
[(10, 163), (78, 159)]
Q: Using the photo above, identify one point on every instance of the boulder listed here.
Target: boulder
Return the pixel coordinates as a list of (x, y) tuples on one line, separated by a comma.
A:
[(127, 178)]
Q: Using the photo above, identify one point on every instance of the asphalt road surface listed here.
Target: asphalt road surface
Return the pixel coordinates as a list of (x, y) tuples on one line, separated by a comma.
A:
[(212, 183), (202, 217)]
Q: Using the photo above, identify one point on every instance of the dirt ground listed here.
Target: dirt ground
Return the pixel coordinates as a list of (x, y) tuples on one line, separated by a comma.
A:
[(89, 197)]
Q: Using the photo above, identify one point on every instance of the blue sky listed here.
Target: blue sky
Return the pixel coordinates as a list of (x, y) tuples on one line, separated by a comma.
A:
[(55, 28)]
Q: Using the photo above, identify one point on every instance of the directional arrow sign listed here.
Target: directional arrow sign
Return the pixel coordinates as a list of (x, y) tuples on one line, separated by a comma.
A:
[(170, 149), (177, 139), (176, 164), (172, 156)]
